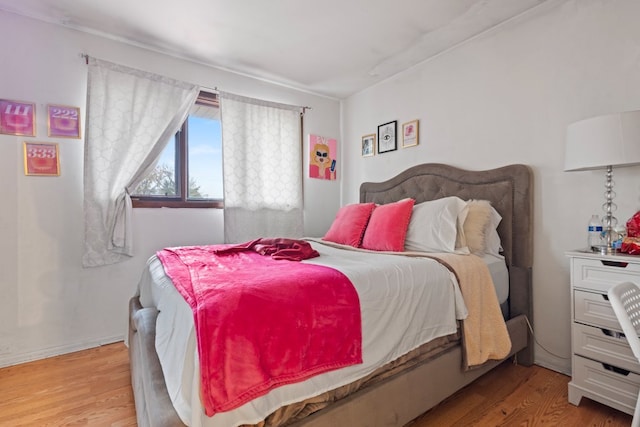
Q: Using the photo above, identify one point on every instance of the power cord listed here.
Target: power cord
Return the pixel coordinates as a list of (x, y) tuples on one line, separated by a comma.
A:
[(541, 346)]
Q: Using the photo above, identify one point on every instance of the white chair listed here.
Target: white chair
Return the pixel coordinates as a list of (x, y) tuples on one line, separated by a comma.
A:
[(625, 300)]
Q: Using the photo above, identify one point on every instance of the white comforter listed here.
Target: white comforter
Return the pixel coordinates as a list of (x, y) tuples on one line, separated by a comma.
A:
[(405, 302)]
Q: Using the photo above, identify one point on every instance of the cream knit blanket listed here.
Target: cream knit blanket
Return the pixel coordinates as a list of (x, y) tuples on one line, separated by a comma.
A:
[(484, 332)]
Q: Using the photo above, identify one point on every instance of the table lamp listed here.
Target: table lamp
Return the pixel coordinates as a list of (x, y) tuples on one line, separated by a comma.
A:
[(603, 142)]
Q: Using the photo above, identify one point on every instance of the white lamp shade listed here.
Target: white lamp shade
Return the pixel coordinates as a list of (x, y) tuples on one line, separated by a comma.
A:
[(598, 142)]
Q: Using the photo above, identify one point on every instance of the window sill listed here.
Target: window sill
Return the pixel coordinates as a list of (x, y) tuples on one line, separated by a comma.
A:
[(191, 204)]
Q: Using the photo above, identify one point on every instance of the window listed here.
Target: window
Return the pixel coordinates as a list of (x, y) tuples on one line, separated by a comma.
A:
[(189, 171)]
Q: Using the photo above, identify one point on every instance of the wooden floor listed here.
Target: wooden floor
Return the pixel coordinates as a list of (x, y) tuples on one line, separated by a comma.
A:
[(92, 388), (513, 395), (87, 388)]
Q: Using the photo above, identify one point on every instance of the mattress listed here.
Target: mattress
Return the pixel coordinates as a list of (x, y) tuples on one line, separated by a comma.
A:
[(393, 292), (500, 276)]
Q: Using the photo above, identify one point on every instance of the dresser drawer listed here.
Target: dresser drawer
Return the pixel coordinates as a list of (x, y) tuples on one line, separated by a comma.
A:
[(601, 274), (606, 380), (594, 309), (604, 345)]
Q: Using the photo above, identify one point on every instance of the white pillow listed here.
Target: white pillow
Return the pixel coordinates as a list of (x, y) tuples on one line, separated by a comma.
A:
[(493, 244), (434, 226)]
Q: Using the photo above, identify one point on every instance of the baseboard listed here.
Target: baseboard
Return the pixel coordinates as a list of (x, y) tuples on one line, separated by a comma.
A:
[(16, 359), (554, 367)]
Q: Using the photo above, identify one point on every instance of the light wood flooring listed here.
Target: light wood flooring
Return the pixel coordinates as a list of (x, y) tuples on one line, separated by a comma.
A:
[(92, 388)]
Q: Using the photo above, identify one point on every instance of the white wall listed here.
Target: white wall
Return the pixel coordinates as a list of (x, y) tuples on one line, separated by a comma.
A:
[(49, 304), (507, 97)]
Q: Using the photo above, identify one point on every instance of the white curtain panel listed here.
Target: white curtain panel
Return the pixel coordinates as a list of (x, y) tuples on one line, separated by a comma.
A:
[(262, 156), (131, 114)]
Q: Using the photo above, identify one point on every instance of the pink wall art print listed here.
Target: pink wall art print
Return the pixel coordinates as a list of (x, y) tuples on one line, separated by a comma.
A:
[(323, 157), (17, 118)]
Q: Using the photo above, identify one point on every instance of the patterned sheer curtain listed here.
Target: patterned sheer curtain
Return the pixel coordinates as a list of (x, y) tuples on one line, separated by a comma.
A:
[(262, 155), (131, 115)]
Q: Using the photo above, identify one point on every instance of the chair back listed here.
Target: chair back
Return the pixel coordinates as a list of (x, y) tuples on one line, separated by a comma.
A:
[(625, 300)]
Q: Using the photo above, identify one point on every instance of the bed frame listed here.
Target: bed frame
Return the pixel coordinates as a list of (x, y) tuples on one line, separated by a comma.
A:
[(403, 397)]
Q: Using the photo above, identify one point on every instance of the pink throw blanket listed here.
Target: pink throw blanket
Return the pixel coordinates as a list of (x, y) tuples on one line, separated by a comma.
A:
[(263, 323), (277, 248)]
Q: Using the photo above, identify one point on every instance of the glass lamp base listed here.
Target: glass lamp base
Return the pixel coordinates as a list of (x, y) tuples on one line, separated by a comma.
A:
[(604, 250)]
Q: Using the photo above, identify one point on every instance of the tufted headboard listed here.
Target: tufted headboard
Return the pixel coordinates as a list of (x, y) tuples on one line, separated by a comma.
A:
[(509, 189)]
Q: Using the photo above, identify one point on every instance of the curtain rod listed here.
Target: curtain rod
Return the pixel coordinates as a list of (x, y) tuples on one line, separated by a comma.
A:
[(257, 101), (304, 108)]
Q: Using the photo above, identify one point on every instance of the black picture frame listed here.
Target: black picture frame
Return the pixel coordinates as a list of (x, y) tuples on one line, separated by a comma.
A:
[(388, 137)]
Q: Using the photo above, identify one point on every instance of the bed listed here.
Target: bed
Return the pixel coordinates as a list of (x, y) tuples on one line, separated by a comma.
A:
[(405, 390)]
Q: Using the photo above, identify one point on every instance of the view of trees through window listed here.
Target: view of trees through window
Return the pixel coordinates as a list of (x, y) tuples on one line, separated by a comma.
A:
[(194, 156), (162, 182)]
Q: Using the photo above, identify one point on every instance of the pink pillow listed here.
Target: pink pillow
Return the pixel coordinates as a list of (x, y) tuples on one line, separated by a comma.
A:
[(350, 223), (388, 225)]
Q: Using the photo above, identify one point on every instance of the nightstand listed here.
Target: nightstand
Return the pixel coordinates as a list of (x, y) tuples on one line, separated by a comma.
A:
[(603, 367)]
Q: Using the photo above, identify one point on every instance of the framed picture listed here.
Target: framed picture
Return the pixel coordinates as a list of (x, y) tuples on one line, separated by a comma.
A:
[(323, 157), (369, 145), (63, 121), (387, 137), (410, 134), (17, 118), (41, 158)]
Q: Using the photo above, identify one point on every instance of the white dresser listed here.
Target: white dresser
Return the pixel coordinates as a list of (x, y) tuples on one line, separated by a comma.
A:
[(603, 366)]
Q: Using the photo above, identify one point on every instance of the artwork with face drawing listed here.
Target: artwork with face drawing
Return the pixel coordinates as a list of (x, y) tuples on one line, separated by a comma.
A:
[(323, 157)]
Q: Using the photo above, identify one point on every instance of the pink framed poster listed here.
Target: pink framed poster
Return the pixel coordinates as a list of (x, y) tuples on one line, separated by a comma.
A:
[(323, 157), (63, 121), (17, 118), (41, 158), (410, 134)]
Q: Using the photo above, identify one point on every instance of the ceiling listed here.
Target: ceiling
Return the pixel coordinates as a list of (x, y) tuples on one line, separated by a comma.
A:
[(331, 47)]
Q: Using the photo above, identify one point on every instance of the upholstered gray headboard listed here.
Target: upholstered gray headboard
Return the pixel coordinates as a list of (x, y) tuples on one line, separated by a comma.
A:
[(509, 189)]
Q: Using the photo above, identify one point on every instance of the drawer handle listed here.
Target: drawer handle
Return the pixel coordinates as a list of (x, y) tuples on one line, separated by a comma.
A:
[(620, 264), (612, 334), (616, 369)]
